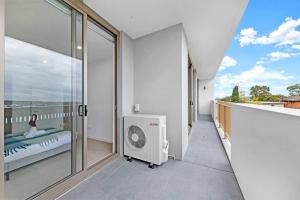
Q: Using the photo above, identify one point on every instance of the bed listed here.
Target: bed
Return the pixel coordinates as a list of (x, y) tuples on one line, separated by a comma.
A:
[(20, 151)]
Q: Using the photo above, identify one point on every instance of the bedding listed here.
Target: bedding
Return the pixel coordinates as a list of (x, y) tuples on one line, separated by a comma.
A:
[(17, 146), (31, 134)]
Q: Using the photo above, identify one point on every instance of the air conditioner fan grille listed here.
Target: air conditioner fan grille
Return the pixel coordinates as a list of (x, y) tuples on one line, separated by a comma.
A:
[(136, 137)]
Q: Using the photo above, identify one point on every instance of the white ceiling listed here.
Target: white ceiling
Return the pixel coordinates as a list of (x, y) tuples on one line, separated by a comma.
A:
[(209, 24)]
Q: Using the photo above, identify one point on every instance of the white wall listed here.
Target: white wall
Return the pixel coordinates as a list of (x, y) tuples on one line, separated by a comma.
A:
[(127, 59), (214, 110), (100, 100), (265, 151), (160, 82), (126, 85), (205, 96)]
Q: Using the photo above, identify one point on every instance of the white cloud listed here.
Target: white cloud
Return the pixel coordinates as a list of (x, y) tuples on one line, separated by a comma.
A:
[(275, 56), (227, 62), (247, 36), (296, 46), (278, 55), (260, 62), (258, 75), (285, 34)]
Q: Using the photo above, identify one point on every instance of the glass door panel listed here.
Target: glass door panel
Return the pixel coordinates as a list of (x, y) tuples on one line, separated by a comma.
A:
[(43, 94), (100, 93)]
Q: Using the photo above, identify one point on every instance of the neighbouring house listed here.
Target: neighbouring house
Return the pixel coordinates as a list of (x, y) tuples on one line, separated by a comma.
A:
[(270, 103), (292, 102)]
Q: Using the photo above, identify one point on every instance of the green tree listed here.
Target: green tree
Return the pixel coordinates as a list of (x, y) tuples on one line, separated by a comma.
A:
[(275, 98), (235, 97), (294, 89), (260, 93), (243, 98), (227, 98)]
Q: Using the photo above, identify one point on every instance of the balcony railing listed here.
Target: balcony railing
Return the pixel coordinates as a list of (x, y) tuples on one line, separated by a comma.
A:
[(224, 118), (262, 143)]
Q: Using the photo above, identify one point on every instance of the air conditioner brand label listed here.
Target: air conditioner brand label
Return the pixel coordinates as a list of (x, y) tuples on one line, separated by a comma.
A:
[(153, 124)]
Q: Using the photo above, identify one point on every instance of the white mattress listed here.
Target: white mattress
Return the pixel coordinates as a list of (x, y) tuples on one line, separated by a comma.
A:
[(61, 139)]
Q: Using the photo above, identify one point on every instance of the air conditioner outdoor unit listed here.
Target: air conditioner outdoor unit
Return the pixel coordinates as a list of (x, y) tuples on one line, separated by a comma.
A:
[(145, 138)]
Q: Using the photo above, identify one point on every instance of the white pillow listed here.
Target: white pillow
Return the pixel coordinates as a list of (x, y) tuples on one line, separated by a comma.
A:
[(33, 132)]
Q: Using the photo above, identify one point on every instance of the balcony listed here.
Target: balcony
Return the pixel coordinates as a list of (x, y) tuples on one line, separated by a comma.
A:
[(162, 64)]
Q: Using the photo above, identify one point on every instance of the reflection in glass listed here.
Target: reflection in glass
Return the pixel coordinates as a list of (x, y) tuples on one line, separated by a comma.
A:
[(43, 88)]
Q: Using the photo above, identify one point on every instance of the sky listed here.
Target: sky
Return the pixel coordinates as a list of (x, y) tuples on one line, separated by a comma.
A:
[(265, 49), (33, 73)]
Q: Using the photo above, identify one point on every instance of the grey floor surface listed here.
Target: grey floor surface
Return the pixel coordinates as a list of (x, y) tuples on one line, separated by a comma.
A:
[(204, 174)]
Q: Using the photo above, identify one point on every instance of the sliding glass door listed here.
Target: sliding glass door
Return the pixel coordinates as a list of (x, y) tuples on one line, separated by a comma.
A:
[(59, 94), (43, 114)]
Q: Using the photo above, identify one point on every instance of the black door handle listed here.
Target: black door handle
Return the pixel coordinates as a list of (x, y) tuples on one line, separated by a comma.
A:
[(85, 110), (80, 110)]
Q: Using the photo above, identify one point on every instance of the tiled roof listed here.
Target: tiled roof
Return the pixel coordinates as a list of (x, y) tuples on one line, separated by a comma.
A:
[(292, 98)]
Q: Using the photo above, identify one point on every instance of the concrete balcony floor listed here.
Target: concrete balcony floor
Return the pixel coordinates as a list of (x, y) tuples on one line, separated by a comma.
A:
[(204, 174)]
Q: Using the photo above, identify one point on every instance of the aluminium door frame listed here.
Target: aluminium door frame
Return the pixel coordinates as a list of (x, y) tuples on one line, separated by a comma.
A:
[(190, 94), (88, 13), (66, 184), (195, 97), (198, 94), (2, 34)]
